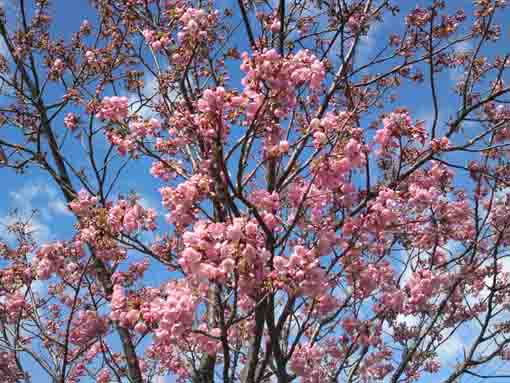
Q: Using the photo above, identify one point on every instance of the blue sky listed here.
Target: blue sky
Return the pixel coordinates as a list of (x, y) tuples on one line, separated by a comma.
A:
[(52, 221)]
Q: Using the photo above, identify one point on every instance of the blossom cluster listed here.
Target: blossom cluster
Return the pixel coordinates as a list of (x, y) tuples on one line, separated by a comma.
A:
[(100, 225), (301, 273), (182, 200), (87, 325), (127, 138), (57, 258), (156, 41), (196, 24), (113, 108), (281, 76), (396, 125), (129, 217)]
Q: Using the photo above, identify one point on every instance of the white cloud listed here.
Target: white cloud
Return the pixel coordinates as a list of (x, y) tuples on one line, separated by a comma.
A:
[(8, 9), (150, 89), (457, 74), (451, 349), (39, 230), (29, 195), (38, 204), (367, 47), (409, 320), (3, 49), (147, 202), (59, 207)]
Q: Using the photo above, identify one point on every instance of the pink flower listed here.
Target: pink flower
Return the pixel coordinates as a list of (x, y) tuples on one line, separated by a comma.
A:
[(275, 27), (58, 67), (113, 108), (71, 121)]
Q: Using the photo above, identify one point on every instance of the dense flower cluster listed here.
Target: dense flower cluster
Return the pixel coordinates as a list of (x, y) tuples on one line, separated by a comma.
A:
[(128, 139), (129, 217), (281, 76), (9, 371), (196, 24), (100, 225), (214, 251), (87, 326), (181, 201), (301, 273), (397, 125), (156, 42), (113, 108), (175, 314), (306, 363), (57, 257)]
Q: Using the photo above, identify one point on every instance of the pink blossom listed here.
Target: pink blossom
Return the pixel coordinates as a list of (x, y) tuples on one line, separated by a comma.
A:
[(113, 108), (71, 121)]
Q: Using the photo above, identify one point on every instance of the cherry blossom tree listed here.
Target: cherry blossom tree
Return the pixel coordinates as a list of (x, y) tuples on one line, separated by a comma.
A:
[(333, 182)]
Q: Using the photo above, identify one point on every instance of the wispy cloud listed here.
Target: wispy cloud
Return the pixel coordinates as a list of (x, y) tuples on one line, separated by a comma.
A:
[(457, 74), (42, 197), (150, 91), (368, 45), (451, 349), (40, 231), (3, 48), (37, 203), (8, 9)]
